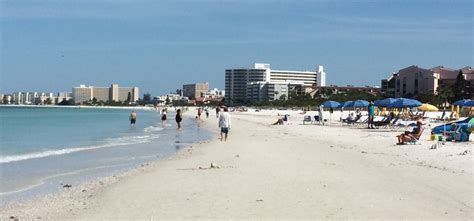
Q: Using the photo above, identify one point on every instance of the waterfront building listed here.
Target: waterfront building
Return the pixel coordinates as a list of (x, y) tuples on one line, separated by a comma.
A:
[(273, 90), (237, 81), (125, 92), (169, 98), (195, 90), (82, 93), (63, 96), (85, 93), (413, 80), (214, 93), (18, 98), (7, 99)]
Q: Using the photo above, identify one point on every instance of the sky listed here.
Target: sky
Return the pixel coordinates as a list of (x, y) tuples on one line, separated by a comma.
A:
[(158, 45)]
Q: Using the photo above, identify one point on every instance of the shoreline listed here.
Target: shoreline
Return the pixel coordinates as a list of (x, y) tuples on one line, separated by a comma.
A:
[(48, 186), (78, 106), (67, 197), (281, 172)]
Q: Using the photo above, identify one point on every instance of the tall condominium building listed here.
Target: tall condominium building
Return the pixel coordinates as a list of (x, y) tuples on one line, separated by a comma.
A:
[(413, 80), (272, 90), (237, 81), (113, 93), (195, 90)]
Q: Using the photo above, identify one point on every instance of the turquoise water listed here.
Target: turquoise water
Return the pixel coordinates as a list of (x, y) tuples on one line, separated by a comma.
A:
[(36, 132), (40, 148)]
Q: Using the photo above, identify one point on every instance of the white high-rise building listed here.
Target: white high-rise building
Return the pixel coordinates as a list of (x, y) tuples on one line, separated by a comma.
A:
[(237, 80)]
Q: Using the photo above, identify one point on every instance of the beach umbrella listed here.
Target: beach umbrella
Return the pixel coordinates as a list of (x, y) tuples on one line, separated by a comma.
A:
[(345, 104), (469, 103), (427, 107), (385, 102), (462, 102), (378, 103), (331, 104), (360, 103), (405, 102)]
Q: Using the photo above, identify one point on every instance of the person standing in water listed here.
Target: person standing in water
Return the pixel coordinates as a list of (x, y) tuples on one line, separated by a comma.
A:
[(224, 123), (199, 113), (163, 118), (179, 118), (133, 119)]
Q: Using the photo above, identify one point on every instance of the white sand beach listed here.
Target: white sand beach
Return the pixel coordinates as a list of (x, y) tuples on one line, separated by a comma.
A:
[(291, 171)]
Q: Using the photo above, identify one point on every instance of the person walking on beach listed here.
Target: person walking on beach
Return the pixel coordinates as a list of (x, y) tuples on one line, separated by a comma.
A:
[(217, 112), (163, 118), (371, 110), (321, 110), (207, 113), (179, 118), (224, 123), (133, 119)]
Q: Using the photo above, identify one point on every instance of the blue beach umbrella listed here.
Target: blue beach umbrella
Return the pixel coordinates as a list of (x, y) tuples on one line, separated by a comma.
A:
[(405, 102), (469, 103), (346, 104), (378, 103), (462, 102), (360, 103), (331, 104), (385, 102)]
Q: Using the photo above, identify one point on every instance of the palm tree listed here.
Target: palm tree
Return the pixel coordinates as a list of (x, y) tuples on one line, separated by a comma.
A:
[(445, 93)]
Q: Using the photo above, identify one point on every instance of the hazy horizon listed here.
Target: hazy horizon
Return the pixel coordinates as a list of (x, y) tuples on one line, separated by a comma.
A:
[(55, 45)]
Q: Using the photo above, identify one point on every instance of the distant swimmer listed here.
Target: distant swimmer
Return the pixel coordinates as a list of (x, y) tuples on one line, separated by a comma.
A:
[(163, 118), (133, 119), (179, 118)]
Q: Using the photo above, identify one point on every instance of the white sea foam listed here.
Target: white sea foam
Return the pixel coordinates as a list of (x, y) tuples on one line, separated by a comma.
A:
[(121, 141), (152, 129)]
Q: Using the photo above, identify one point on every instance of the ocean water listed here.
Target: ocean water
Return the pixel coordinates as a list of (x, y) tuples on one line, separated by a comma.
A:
[(42, 148)]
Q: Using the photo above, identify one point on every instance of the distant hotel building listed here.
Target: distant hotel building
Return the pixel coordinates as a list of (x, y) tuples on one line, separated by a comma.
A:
[(413, 80), (261, 83), (113, 93), (30, 98), (273, 90), (192, 91)]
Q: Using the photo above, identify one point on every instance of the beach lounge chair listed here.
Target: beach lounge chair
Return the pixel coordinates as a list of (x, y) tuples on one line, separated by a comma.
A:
[(307, 118), (362, 121), (383, 123), (356, 119), (412, 138)]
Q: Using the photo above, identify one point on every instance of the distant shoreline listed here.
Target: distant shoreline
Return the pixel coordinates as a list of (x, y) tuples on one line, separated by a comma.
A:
[(78, 106)]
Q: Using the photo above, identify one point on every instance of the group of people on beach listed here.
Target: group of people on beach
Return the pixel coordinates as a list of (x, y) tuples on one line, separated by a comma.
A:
[(224, 119)]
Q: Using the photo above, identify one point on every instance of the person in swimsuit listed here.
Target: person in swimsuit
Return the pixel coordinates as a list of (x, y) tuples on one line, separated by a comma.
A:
[(163, 118), (133, 119), (179, 118)]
